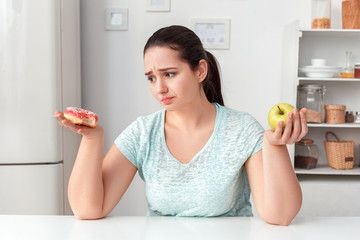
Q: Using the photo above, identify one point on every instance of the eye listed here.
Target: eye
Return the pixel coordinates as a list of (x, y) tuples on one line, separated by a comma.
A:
[(169, 74), (151, 79)]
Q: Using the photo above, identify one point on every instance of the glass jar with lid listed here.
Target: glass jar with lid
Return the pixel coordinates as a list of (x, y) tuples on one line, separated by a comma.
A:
[(349, 117), (306, 154), (321, 13), (357, 70), (357, 117), (311, 96)]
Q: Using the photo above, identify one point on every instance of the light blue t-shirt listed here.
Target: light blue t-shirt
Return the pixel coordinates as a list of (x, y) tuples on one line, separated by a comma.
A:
[(213, 183)]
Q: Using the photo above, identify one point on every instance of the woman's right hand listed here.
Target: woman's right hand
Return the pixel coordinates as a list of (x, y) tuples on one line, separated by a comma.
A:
[(80, 129)]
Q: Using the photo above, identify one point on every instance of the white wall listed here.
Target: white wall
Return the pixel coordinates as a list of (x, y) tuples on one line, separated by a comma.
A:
[(114, 85)]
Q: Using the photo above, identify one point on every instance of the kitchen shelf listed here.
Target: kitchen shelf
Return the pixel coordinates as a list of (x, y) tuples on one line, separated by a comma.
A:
[(330, 44), (329, 32), (329, 79), (326, 170), (328, 125), (301, 45)]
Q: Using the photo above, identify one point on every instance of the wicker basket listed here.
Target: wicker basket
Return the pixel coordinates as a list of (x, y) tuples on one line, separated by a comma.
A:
[(340, 154), (335, 113)]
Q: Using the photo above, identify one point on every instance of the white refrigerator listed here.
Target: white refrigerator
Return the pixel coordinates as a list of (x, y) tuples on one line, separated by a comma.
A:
[(39, 74)]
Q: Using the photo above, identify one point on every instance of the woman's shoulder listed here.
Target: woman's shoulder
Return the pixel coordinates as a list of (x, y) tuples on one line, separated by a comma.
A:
[(237, 118), (144, 125), (148, 122), (155, 116), (233, 112)]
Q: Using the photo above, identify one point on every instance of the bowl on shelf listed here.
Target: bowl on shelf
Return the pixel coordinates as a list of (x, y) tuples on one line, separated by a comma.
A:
[(318, 62), (320, 71)]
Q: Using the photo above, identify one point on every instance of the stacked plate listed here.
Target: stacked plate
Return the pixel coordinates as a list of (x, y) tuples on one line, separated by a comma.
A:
[(320, 71)]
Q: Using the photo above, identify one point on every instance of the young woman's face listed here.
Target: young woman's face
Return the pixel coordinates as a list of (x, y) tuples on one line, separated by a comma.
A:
[(172, 82)]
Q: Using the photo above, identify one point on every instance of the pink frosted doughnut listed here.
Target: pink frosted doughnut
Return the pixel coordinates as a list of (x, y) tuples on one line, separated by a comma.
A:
[(81, 116)]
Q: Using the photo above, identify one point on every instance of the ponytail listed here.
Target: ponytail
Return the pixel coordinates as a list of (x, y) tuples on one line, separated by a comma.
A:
[(212, 82)]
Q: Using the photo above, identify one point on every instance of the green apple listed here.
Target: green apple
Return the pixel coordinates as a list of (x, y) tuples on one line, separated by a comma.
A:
[(278, 113)]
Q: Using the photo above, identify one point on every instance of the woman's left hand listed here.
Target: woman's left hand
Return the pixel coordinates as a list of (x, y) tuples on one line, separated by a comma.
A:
[(295, 129)]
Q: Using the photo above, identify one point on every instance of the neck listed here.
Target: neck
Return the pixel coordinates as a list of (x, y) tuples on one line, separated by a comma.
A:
[(191, 116)]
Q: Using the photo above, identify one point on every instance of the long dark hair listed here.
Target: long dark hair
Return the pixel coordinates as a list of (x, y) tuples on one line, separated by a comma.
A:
[(188, 44)]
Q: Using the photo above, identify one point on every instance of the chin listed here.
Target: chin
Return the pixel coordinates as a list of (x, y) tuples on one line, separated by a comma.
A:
[(169, 108)]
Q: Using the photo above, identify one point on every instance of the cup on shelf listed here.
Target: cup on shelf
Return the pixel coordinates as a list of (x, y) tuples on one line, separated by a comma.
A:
[(317, 62)]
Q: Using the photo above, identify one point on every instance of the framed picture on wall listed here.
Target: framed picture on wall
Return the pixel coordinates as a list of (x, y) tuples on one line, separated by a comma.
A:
[(158, 5), (214, 33), (116, 19)]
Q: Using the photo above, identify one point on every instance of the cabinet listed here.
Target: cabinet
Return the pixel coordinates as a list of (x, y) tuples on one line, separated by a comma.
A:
[(326, 191), (330, 44)]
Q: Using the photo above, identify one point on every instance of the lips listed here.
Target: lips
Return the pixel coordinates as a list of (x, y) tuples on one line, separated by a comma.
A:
[(167, 100)]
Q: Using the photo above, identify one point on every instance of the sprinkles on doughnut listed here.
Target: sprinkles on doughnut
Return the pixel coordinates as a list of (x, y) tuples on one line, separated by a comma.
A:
[(81, 116)]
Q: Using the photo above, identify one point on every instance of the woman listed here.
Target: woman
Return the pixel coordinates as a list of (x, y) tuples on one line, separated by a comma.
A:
[(197, 157)]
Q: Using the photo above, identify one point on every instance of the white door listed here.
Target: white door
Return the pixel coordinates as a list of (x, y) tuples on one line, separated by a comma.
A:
[(30, 85), (32, 189)]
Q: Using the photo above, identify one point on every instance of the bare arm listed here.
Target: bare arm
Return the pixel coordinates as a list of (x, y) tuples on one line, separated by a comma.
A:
[(96, 184), (274, 185)]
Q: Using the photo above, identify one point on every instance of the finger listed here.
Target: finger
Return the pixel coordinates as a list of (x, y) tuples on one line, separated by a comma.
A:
[(65, 122), (68, 124), (304, 127), (296, 129), (83, 130), (288, 127), (58, 114), (278, 130), (59, 117), (303, 122), (303, 110)]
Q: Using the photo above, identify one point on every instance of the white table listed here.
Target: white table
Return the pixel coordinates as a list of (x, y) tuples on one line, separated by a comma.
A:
[(169, 228)]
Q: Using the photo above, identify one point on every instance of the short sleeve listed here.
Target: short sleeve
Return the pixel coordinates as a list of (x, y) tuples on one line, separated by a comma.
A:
[(254, 133), (128, 142)]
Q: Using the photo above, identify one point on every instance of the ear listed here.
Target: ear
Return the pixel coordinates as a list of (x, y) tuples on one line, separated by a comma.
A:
[(202, 70)]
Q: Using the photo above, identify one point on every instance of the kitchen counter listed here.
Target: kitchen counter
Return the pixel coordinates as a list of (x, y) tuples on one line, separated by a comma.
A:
[(169, 228)]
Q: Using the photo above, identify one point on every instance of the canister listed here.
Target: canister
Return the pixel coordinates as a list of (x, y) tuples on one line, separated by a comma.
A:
[(349, 117), (306, 154), (321, 13), (357, 117), (357, 70), (311, 96)]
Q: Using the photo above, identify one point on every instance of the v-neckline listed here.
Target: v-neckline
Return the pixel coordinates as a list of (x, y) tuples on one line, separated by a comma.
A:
[(217, 120)]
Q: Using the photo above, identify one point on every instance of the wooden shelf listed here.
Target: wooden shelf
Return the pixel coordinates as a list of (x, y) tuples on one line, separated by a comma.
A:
[(326, 170)]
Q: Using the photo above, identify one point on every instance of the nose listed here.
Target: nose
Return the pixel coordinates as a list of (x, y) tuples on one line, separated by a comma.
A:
[(161, 86)]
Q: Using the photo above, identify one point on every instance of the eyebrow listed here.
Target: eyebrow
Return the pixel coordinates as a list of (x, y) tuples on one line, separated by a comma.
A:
[(161, 70)]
